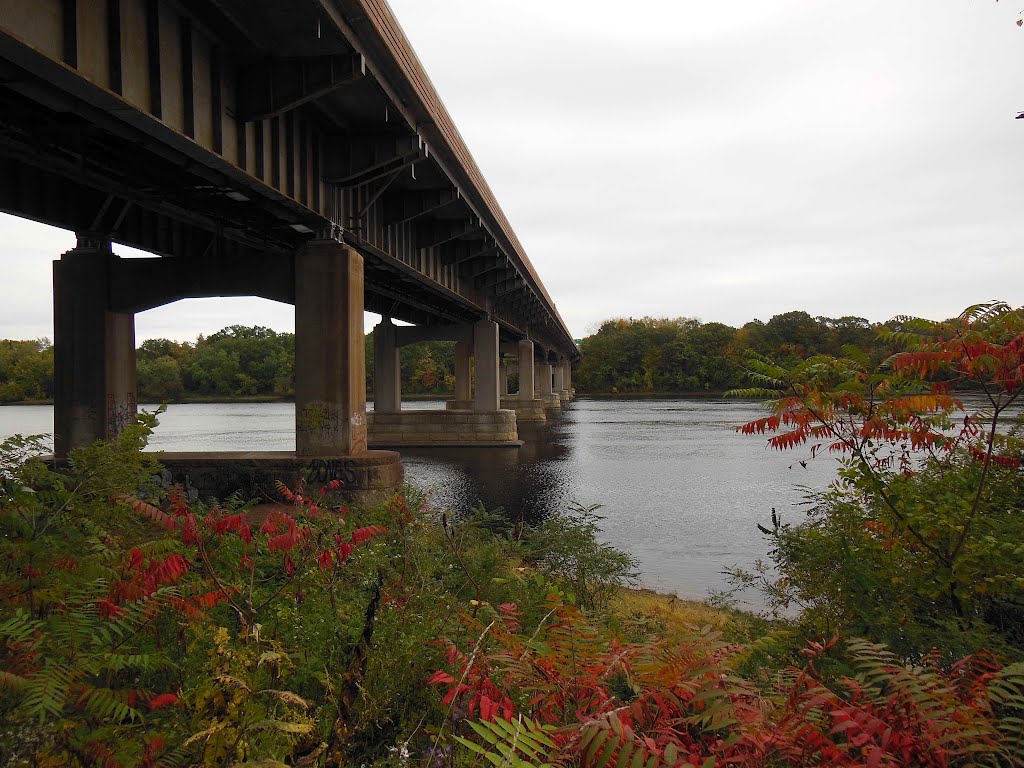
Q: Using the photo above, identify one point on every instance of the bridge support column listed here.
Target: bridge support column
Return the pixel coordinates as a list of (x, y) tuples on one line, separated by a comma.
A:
[(562, 379), (567, 378), (330, 377), (486, 394), (94, 350), (467, 420), (330, 397), (526, 404), (543, 384), (543, 379), (503, 372), (463, 387), (526, 371), (387, 378)]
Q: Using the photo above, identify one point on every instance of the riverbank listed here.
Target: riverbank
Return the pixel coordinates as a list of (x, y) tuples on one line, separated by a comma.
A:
[(650, 395), (217, 400), (646, 611)]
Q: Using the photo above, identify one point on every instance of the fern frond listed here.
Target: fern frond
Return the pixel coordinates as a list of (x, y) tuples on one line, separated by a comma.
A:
[(519, 743), (856, 354), (1006, 692), (47, 691), (206, 733), (118, 662), (108, 705), (282, 726), (232, 682), (22, 628), (985, 312), (286, 697), (751, 393), (904, 340), (12, 682)]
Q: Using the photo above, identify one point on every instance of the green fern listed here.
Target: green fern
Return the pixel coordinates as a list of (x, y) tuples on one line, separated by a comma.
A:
[(520, 743), (755, 393), (1006, 692), (21, 628)]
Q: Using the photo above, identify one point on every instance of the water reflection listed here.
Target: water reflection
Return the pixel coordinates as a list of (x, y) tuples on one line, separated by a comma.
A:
[(528, 482)]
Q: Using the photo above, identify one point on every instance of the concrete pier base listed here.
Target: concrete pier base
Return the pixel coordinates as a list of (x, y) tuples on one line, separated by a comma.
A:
[(444, 428), (366, 477), (551, 400), (526, 410)]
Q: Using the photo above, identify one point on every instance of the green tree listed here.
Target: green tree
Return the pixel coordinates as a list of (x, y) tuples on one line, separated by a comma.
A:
[(918, 543), (26, 370), (160, 379)]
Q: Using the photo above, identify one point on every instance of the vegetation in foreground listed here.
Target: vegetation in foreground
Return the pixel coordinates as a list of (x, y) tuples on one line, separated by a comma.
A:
[(918, 544), (140, 628)]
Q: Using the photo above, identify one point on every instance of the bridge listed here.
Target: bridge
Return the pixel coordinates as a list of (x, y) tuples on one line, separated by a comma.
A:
[(291, 150)]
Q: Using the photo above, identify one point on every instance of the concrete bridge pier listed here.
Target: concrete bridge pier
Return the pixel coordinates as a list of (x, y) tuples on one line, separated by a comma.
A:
[(544, 380), (94, 350), (463, 372), (487, 357), (475, 417), (504, 370), (556, 385), (95, 297), (330, 378), (330, 395), (387, 368), (562, 380), (527, 405)]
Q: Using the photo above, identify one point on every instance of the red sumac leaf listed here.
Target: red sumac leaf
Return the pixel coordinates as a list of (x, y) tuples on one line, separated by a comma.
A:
[(163, 700), (440, 677)]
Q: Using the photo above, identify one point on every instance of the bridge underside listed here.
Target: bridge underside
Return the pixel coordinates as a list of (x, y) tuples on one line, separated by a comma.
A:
[(60, 170), (296, 152)]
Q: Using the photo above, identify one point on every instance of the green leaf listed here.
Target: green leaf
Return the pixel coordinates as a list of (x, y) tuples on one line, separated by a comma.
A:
[(282, 726)]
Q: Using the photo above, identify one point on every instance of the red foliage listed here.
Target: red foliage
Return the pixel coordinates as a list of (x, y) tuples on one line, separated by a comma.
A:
[(140, 579), (101, 755), (163, 700), (844, 404), (687, 706), (154, 747)]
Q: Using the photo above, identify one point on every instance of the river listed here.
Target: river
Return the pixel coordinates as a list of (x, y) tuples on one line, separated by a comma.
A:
[(679, 488)]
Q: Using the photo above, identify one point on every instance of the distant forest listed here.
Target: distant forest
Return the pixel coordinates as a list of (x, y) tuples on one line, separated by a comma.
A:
[(684, 355), (236, 362), (645, 355)]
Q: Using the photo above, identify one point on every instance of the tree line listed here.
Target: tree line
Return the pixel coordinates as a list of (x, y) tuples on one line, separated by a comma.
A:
[(647, 355), (684, 355), (235, 362)]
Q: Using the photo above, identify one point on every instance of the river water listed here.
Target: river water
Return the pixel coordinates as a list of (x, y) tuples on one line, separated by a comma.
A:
[(679, 488)]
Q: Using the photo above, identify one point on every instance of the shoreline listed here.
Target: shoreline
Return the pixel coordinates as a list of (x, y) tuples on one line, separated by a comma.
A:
[(229, 400), (200, 400)]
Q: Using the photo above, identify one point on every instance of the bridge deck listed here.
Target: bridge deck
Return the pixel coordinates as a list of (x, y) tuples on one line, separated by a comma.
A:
[(224, 133)]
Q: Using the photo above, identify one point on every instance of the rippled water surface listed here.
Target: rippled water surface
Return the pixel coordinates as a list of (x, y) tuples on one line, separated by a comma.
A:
[(680, 489)]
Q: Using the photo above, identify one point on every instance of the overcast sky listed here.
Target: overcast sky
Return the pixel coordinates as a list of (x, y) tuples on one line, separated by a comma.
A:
[(724, 161)]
